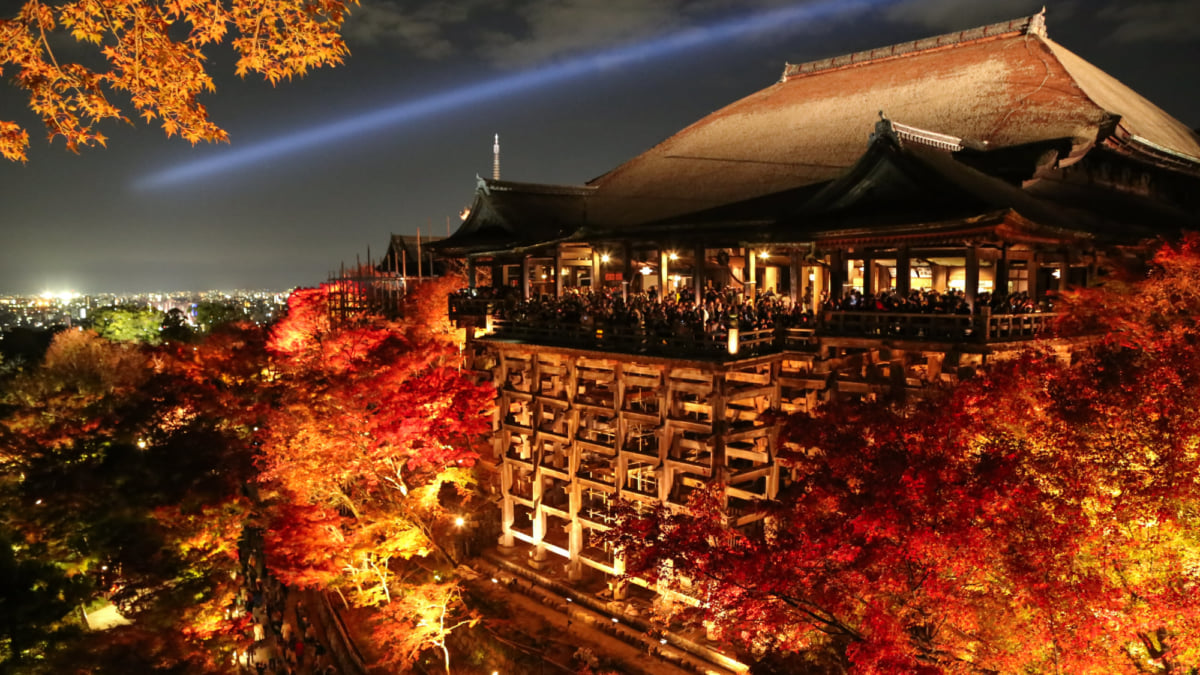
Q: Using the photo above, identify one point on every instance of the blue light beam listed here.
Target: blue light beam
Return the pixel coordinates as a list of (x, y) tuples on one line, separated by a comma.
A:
[(479, 92)]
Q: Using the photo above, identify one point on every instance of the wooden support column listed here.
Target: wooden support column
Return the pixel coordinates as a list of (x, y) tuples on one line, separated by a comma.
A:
[(470, 272), (539, 516), (1064, 270), (751, 273), (837, 274), (507, 510), (559, 281), (597, 271), (971, 285), (575, 534), (664, 275), (719, 427), (1033, 266), (797, 276), (527, 277), (627, 271), (698, 279), (868, 274), (820, 287), (903, 271), (1000, 283)]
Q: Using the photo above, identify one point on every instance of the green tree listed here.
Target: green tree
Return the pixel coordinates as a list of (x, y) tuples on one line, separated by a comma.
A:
[(212, 314), (39, 600), (128, 324)]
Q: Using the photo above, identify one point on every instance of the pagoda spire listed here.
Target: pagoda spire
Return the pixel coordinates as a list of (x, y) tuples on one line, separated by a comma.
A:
[(496, 158)]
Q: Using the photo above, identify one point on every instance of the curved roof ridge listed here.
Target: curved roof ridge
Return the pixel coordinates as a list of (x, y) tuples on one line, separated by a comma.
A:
[(1035, 24), (1141, 120)]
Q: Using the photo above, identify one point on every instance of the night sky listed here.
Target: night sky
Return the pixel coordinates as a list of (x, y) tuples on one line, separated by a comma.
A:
[(122, 220)]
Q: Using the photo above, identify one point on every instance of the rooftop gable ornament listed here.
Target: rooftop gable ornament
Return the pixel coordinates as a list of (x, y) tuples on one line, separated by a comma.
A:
[(902, 132)]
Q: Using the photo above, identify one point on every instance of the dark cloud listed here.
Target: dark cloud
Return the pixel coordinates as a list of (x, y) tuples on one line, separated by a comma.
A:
[(421, 29), (515, 33), (1164, 20), (952, 15)]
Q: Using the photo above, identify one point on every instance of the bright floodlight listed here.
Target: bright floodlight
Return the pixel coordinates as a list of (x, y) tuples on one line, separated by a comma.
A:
[(471, 95)]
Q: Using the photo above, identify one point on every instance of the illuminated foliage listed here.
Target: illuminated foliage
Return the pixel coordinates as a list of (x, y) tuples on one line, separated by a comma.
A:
[(1043, 518), (368, 455), (153, 53), (128, 325), (123, 466)]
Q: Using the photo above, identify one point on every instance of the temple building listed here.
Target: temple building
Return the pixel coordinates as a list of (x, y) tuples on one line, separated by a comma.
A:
[(987, 164)]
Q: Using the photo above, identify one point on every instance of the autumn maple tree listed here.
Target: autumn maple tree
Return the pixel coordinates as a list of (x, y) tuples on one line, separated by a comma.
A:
[(368, 457), (152, 53), (1042, 518), (122, 466)]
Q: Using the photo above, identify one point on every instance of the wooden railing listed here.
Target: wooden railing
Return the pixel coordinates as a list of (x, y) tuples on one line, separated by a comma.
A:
[(954, 327), (985, 327), (972, 328)]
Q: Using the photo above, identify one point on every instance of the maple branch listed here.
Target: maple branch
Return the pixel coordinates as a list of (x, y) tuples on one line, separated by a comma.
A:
[(53, 59), (799, 604)]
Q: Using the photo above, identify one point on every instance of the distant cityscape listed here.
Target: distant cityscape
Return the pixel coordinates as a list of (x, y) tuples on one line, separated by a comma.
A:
[(55, 310)]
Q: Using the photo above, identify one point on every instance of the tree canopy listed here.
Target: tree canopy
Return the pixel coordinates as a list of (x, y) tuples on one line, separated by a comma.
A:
[(122, 469), (1042, 518), (368, 453), (153, 54)]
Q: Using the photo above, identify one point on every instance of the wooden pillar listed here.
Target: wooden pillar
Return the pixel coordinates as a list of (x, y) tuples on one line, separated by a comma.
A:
[(575, 534), (903, 271), (868, 274), (471, 273), (751, 273), (539, 515), (971, 285), (820, 287), (507, 509), (1000, 285), (797, 276), (597, 271), (837, 273), (627, 261), (719, 392), (1033, 266), (559, 281), (663, 272), (527, 277), (698, 265)]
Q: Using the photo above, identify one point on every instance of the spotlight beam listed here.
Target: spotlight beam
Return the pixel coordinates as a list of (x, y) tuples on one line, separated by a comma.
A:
[(478, 92)]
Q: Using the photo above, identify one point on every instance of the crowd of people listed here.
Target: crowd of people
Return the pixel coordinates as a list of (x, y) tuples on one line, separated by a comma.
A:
[(926, 301), (677, 312), (285, 641)]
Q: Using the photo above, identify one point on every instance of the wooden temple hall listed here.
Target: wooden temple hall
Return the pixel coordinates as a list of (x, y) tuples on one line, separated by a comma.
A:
[(978, 165)]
